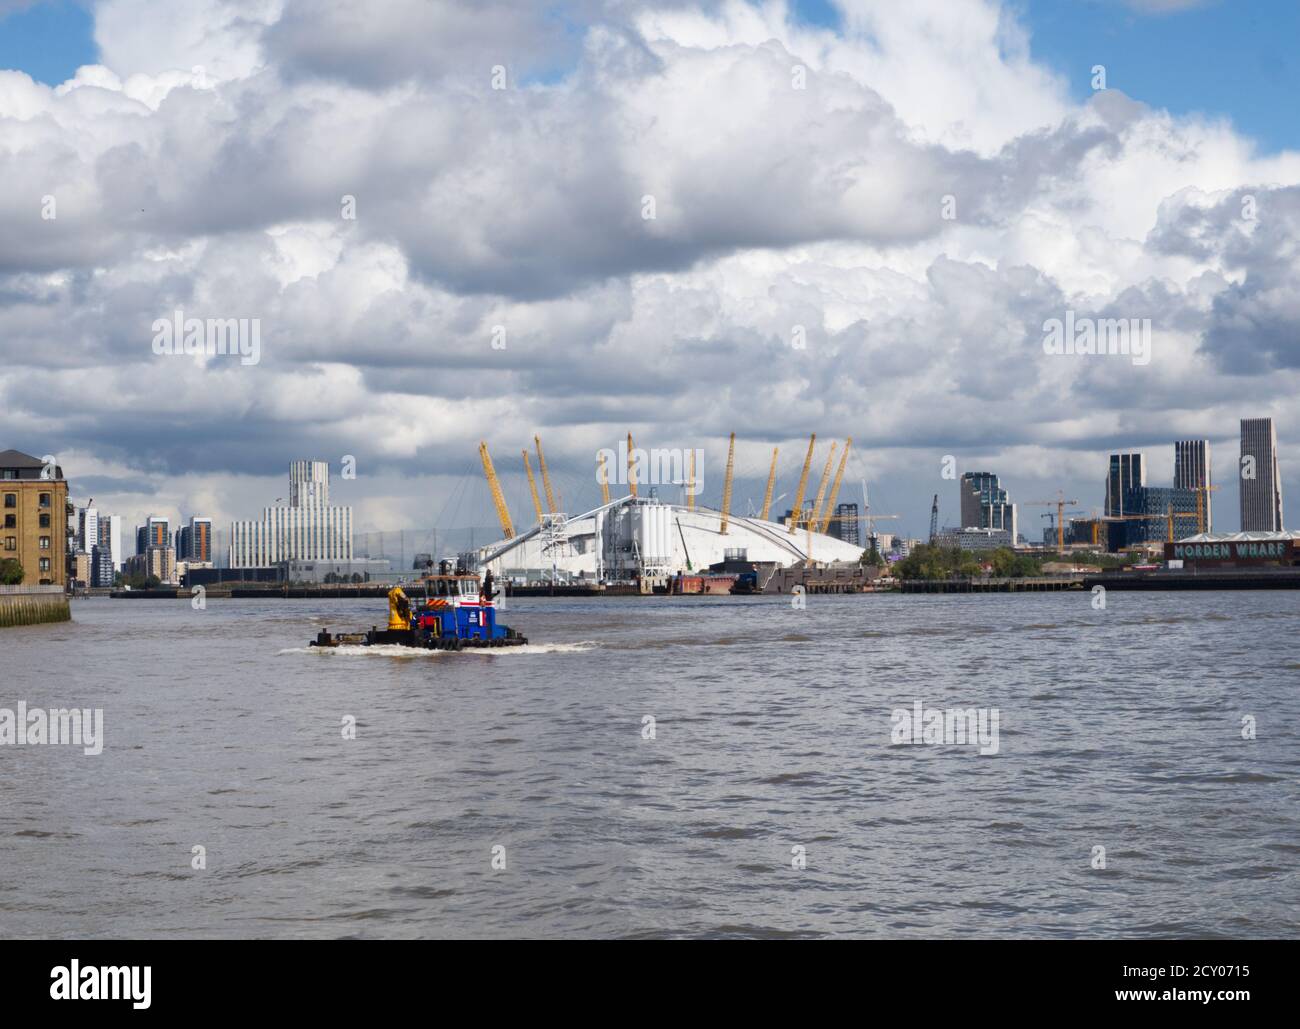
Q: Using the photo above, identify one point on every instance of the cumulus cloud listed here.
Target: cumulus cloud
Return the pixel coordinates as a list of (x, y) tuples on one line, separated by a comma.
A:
[(911, 196)]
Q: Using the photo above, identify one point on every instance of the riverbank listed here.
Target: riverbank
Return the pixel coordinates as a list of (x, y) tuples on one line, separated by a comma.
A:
[(32, 605)]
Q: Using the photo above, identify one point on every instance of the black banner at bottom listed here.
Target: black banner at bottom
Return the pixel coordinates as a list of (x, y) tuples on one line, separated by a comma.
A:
[(143, 978)]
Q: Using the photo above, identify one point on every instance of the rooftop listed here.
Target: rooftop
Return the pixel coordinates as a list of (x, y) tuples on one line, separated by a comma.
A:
[(24, 466), (1241, 537)]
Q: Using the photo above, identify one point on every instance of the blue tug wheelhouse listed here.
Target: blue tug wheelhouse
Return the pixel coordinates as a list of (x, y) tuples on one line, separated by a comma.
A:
[(450, 612)]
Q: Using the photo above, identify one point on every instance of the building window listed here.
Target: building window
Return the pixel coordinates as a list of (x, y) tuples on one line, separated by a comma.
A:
[(45, 500), (45, 543), (45, 521), (11, 521), (11, 543), (11, 500), (45, 564)]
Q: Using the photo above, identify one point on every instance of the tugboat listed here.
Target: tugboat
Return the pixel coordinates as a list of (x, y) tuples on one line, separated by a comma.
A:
[(458, 613)]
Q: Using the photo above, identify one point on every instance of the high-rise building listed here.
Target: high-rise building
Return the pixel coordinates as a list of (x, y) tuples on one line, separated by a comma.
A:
[(157, 561), (194, 542), (1148, 510), (309, 483), (87, 529), (81, 569), (1127, 474), (984, 504), (307, 530), (110, 537), (102, 571), (156, 532), (1192, 471), (1157, 504), (845, 524), (33, 518), (1261, 479)]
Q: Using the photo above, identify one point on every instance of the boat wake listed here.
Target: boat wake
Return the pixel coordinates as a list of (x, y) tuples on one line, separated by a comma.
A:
[(395, 650)]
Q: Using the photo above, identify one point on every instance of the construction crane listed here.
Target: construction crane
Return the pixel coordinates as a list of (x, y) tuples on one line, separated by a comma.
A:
[(690, 485), (870, 518), (1060, 503), (726, 483), (532, 488), (546, 478), (602, 477), (1203, 505), (835, 486), (771, 484), (797, 506), (631, 468), (934, 518), (816, 518), (503, 512), (1051, 518)]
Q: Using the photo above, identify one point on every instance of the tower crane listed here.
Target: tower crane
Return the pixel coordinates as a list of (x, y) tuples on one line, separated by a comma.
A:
[(1203, 505), (532, 488), (726, 483), (934, 518), (498, 500), (771, 484), (1060, 503), (797, 506), (546, 478), (815, 519), (631, 468), (870, 518), (602, 477), (835, 486)]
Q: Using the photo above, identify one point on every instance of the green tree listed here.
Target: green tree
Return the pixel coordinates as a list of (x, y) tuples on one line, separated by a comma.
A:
[(871, 557), (11, 572)]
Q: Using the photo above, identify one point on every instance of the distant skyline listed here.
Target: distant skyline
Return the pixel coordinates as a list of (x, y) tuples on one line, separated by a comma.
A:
[(677, 220)]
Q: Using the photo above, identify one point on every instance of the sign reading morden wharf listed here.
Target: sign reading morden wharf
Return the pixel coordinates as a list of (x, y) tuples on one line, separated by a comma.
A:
[(1280, 551)]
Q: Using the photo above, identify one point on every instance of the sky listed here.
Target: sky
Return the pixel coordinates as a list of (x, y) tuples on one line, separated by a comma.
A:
[(679, 220)]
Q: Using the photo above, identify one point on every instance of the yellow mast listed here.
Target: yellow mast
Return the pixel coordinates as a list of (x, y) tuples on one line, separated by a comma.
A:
[(602, 477), (726, 483), (532, 488), (503, 512), (546, 478), (631, 469), (771, 483), (690, 488), (816, 518), (803, 485), (835, 486)]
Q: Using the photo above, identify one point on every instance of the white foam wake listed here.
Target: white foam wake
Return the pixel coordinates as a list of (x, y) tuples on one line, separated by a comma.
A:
[(396, 650)]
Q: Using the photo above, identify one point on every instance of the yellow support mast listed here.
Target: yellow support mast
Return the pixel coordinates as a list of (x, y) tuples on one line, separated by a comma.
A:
[(797, 506), (631, 468), (816, 518), (771, 484), (532, 488), (690, 485), (546, 478), (726, 483), (503, 512), (602, 477), (835, 486)]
